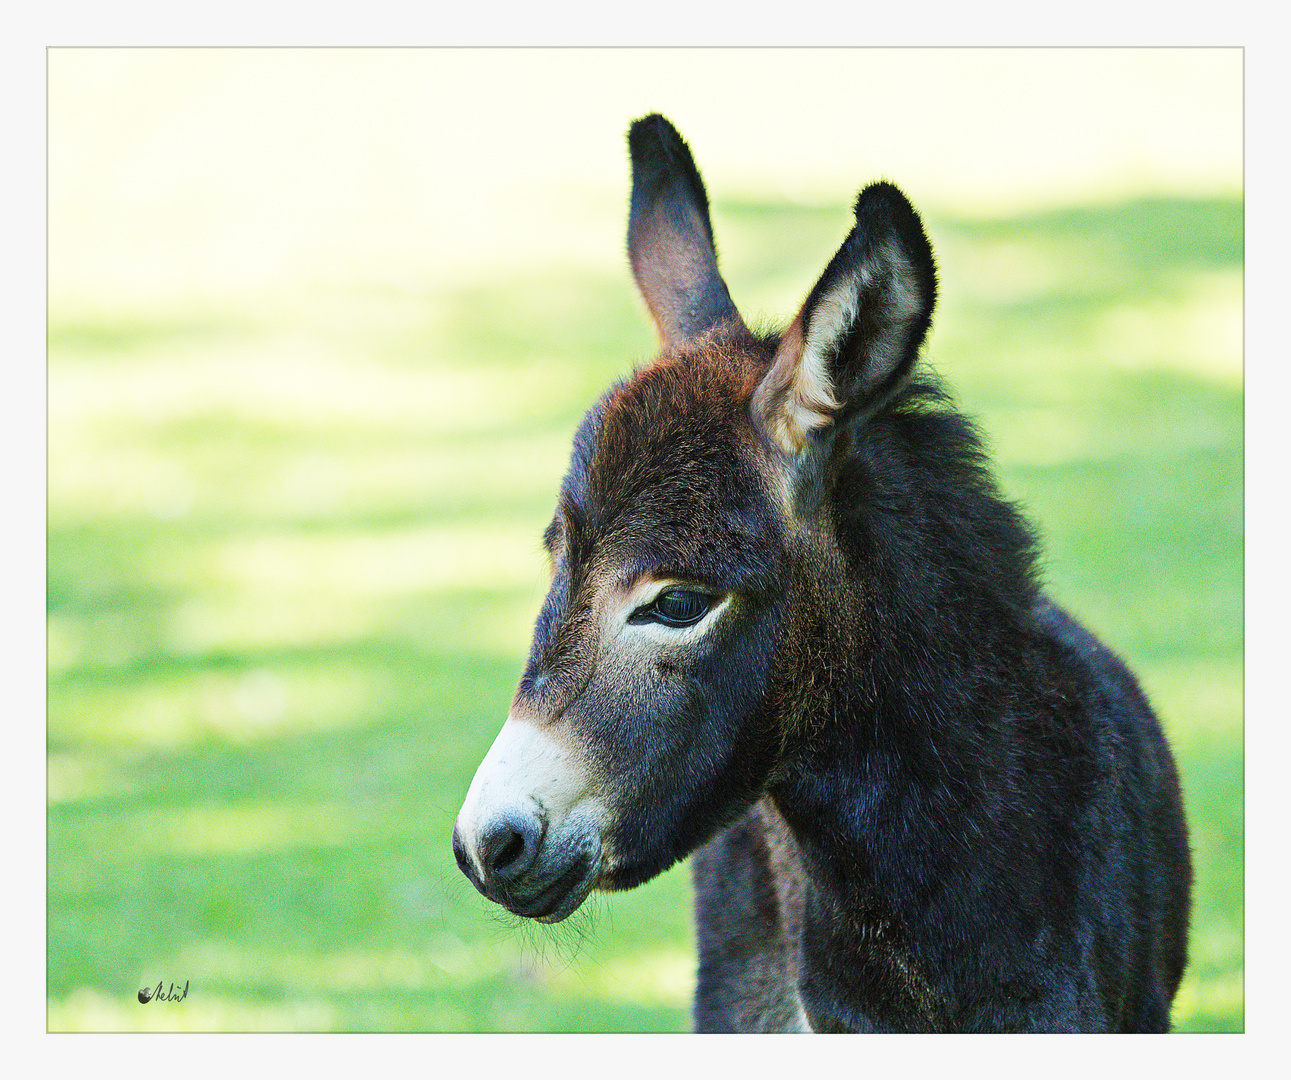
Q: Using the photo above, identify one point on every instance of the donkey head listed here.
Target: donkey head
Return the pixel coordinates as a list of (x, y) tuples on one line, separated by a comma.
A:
[(695, 577)]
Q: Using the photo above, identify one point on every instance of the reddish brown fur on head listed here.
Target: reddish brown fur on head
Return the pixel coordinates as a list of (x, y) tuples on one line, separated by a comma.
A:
[(675, 446)]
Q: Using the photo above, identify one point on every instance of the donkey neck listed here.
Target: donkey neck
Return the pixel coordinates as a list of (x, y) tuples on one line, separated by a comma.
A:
[(918, 643)]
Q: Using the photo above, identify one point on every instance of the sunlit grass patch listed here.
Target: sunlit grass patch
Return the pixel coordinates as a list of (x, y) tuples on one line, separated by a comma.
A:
[(662, 976), (171, 706), (248, 827), (1200, 332), (1200, 699), (74, 776), (1211, 1005), (302, 381), (370, 564), (444, 963)]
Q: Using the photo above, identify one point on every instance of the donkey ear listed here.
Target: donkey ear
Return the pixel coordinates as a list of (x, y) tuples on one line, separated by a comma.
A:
[(670, 239), (859, 331)]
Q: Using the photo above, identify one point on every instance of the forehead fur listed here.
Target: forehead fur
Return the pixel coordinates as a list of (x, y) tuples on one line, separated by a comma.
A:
[(668, 471)]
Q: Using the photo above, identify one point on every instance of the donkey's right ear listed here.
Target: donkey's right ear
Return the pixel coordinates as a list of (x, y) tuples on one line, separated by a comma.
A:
[(670, 238), (859, 331)]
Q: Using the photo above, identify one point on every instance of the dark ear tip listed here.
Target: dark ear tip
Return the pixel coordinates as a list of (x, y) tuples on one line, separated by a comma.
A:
[(651, 132), (653, 120), (882, 198), (882, 209)]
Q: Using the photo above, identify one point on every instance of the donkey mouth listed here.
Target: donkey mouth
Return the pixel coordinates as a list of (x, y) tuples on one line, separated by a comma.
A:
[(560, 898)]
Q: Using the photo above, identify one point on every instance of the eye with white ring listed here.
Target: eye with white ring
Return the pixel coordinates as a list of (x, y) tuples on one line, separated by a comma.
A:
[(674, 607)]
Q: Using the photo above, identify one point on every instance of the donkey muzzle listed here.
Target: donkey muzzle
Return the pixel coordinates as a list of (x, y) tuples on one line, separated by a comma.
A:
[(529, 834)]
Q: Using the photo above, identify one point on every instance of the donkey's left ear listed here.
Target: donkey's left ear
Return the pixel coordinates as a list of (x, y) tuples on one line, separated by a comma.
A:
[(859, 331)]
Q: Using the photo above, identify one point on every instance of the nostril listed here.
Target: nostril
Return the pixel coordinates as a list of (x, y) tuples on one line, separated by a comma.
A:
[(508, 848), (513, 850)]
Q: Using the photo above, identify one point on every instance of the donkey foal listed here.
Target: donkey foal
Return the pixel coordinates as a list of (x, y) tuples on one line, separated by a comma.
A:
[(793, 627)]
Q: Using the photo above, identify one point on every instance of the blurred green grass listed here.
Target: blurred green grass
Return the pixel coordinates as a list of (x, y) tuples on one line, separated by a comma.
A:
[(293, 563)]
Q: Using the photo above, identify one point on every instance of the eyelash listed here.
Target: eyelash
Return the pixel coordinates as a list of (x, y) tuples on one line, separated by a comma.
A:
[(698, 605)]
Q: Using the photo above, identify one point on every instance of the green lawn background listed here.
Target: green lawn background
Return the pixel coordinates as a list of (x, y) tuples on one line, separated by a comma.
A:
[(307, 418)]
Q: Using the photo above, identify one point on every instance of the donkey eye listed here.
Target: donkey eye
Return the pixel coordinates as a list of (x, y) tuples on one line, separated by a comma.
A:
[(678, 607)]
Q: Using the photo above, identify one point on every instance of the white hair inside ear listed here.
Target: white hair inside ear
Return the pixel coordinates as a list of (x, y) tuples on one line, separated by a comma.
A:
[(846, 342)]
